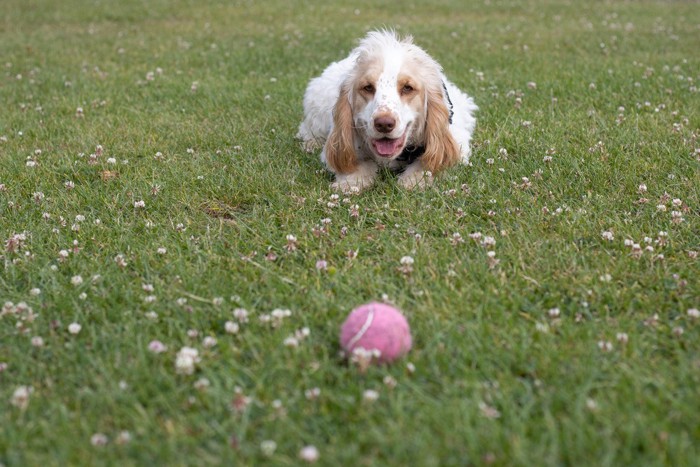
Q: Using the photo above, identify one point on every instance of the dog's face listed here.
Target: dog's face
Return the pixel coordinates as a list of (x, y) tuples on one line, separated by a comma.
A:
[(388, 102), (393, 98)]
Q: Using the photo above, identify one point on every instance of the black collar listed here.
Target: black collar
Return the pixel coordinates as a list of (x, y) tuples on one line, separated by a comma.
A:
[(449, 101), (410, 154)]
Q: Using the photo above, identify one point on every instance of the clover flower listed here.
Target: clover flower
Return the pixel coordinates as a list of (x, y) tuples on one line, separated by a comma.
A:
[(309, 454)]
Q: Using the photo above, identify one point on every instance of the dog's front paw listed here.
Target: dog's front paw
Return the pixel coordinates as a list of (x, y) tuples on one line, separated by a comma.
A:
[(415, 179), (357, 181), (350, 185)]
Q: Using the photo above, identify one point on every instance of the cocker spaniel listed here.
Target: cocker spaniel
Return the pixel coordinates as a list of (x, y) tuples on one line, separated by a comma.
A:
[(388, 104)]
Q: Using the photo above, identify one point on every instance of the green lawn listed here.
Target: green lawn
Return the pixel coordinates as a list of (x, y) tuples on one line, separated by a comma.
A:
[(149, 178)]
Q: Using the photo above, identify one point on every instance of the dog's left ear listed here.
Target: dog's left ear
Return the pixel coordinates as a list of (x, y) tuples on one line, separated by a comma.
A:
[(441, 149)]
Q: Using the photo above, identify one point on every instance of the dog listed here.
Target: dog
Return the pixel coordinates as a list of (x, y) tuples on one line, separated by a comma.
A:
[(388, 104)]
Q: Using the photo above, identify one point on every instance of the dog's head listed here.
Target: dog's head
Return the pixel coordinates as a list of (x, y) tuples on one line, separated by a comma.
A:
[(393, 98)]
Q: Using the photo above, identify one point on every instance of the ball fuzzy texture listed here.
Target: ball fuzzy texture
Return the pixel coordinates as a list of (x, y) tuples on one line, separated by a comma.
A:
[(376, 327)]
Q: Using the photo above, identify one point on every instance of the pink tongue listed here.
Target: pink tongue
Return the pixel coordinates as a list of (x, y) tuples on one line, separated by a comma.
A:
[(387, 147)]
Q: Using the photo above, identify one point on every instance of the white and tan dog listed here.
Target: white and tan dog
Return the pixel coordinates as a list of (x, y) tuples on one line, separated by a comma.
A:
[(387, 104)]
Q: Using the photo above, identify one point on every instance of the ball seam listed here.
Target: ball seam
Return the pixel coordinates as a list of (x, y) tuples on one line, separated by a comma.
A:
[(365, 327)]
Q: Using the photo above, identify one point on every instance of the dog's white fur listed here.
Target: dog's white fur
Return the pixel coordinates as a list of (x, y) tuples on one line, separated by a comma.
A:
[(387, 95)]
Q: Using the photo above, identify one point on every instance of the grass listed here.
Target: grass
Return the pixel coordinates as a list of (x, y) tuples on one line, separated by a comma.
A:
[(215, 88)]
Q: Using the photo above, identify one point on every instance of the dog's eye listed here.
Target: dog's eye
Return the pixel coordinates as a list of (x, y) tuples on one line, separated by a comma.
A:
[(407, 89), (368, 89)]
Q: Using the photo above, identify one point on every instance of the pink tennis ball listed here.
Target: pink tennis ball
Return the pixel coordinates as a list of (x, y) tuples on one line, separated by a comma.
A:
[(376, 327)]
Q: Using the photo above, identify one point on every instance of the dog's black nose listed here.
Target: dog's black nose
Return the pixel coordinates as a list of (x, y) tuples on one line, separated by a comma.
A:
[(384, 124)]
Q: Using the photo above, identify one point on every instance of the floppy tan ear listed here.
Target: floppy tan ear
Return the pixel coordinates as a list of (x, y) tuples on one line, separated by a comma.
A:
[(441, 149), (340, 151)]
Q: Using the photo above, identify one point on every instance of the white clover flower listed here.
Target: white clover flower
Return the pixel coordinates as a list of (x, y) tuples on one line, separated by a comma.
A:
[(268, 447), (123, 437), (157, 347), (390, 381), (99, 439), (209, 342), (74, 328), (291, 341), (279, 313), (201, 384), (76, 280), (120, 260), (20, 398), (488, 411), (676, 217), (370, 395), (488, 241), (309, 454), (605, 346), (231, 327), (186, 360), (591, 404)]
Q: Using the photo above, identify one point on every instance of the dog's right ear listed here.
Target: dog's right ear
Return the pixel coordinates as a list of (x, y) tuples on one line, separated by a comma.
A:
[(339, 149)]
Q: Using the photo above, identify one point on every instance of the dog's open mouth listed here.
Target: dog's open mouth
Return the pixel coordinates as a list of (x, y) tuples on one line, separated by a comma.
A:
[(388, 147)]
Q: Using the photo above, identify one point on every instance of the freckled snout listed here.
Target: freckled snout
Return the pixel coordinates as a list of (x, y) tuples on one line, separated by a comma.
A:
[(384, 123)]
